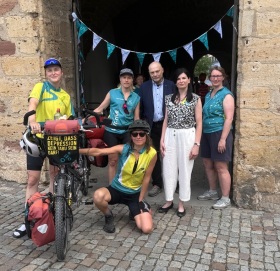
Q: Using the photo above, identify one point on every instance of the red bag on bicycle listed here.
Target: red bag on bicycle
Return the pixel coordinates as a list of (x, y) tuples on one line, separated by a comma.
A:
[(96, 133), (39, 219), (98, 161)]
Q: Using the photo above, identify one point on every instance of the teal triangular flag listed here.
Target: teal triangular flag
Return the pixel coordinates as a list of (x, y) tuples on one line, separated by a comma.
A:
[(203, 38), (173, 54), (140, 57), (110, 49), (230, 12), (81, 27)]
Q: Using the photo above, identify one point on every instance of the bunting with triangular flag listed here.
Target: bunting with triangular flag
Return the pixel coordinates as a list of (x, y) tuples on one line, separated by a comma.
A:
[(204, 39), (96, 40), (188, 47), (125, 54), (82, 28), (110, 48), (156, 56), (140, 57), (218, 28), (173, 54)]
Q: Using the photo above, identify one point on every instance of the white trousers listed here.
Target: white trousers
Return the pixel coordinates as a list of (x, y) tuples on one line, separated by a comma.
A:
[(176, 163)]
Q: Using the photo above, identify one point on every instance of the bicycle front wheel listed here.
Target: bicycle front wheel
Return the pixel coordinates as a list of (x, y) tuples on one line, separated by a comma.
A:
[(62, 220)]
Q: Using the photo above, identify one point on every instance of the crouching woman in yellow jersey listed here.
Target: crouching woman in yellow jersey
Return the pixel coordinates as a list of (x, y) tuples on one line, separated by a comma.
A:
[(129, 186)]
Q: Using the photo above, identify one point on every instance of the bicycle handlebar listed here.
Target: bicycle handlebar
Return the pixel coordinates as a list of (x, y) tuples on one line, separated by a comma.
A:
[(99, 123), (27, 115)]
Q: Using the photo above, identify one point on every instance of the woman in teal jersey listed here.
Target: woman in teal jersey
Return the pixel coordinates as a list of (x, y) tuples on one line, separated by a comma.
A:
[(217, 139), (129, 186), (124, 109)]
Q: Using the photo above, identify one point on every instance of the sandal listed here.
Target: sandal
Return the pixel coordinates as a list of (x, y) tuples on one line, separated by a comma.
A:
[(20, 232)]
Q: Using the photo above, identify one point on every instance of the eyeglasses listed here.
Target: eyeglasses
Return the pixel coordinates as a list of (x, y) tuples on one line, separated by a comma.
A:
[(216, 76), (135, 134), (125, 109)]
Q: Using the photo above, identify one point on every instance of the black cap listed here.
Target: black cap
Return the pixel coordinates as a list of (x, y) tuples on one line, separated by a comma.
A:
[(126, 71)]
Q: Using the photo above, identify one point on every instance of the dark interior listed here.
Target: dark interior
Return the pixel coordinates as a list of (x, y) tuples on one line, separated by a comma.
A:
[(150, 27)]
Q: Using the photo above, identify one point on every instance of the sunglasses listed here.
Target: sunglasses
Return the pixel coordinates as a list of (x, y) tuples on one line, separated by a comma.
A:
[(125, 109), (135, 134)]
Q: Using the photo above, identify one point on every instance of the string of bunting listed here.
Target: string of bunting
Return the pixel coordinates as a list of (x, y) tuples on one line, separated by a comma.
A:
[(82, 28)]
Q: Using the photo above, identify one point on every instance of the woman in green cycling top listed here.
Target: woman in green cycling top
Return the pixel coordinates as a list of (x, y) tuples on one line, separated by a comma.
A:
[(129, 186), (45, 98)]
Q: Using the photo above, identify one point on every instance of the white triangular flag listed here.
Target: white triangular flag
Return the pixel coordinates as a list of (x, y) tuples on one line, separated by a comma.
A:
[(188, 47), (74, 15), (157, 57), (218, 28), (96, 40), (125, 54)]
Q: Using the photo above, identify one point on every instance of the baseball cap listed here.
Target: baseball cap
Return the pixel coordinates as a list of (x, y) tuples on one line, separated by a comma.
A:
[(51, 62), (126, 71)]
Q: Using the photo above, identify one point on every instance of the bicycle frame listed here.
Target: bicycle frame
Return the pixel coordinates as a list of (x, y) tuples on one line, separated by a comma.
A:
[(70, 183)]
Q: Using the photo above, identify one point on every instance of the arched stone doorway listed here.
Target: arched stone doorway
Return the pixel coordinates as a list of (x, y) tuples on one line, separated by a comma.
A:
[(143, 26)]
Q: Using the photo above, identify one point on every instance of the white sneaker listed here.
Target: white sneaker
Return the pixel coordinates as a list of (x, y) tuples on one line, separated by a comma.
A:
[(222, 203), (207, 195)]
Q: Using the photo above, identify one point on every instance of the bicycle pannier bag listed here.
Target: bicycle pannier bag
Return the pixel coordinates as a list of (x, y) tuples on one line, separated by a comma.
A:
[(61, 127), (96, 133), (39, 219), (98, 161)]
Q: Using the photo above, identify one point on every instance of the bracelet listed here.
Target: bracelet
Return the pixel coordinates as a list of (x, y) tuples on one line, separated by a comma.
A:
[(197, 144), (88, 151)]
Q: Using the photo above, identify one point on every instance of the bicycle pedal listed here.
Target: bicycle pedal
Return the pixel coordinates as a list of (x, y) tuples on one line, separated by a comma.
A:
[(86, 202), (94, 180)]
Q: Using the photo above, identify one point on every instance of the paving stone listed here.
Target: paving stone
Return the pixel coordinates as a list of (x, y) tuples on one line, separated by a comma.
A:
[(205, 239)]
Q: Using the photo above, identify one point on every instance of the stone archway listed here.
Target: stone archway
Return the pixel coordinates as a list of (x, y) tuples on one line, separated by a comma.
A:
[(149, 27)]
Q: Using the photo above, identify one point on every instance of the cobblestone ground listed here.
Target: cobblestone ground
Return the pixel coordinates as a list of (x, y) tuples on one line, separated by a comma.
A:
[(205, 239)]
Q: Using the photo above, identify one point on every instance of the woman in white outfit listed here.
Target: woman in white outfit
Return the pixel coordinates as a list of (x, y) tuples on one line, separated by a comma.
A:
[(180, 140)]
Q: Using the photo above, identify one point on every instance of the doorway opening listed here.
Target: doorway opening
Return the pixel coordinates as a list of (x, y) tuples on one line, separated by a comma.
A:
[(151, 27)]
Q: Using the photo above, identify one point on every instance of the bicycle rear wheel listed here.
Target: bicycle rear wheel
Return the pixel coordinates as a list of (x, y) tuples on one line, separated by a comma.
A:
[(62, 220)]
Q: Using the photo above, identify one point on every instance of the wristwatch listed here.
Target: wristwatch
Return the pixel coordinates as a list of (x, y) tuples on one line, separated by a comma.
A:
[(197, 144)]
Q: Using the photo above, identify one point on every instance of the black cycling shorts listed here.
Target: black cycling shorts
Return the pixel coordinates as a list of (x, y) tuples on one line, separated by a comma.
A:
[(131, 200), (112, 139), (34, 163)]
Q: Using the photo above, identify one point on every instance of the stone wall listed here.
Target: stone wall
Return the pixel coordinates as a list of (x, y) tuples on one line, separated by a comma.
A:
[(30, 32), (257, 138), (34, 30)]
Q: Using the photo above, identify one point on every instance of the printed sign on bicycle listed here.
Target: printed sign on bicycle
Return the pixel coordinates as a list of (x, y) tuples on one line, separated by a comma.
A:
[(62, 149)]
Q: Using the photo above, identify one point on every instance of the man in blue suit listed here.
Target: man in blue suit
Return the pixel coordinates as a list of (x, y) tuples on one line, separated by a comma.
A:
[(152, 109)]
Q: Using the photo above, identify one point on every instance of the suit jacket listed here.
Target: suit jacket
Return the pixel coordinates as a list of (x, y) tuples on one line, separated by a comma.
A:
[(147, 100)]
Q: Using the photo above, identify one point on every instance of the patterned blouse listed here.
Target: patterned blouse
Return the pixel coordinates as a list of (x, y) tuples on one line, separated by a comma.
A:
[(181, 115)]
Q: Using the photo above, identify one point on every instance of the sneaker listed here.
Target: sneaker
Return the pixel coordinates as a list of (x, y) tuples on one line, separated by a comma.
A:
[(221, 204), (154, 191), (207, 195), (109, 223)]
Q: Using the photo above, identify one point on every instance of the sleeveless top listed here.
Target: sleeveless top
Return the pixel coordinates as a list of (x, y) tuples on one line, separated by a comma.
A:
[(213, 111), (128, 178), (181, 115), (117, 114)]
